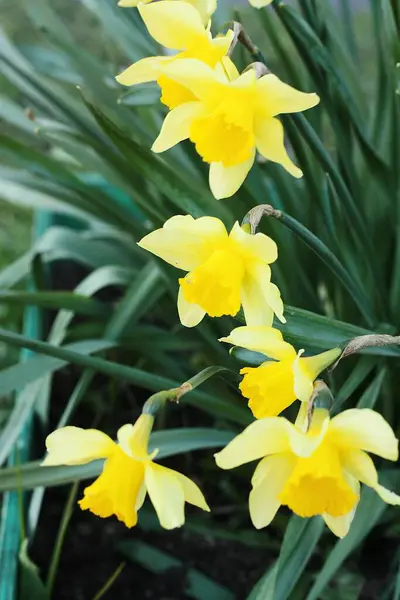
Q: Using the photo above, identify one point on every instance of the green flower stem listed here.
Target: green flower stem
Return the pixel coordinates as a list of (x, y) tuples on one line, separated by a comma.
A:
[(104, 589), (158, 400), (316, 245), (66, 517)]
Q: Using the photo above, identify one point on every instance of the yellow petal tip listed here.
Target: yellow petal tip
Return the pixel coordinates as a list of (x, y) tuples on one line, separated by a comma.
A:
[(126, 3)]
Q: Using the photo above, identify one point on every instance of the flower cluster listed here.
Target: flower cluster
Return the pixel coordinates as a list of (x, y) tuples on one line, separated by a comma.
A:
[(229, 116), (314, 465)]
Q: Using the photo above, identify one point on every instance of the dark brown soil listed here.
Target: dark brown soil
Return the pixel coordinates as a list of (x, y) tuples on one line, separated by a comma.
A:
[(90, 556)]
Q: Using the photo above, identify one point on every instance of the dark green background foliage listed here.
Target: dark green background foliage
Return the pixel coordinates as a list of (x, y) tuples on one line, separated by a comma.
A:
[(77, 145)]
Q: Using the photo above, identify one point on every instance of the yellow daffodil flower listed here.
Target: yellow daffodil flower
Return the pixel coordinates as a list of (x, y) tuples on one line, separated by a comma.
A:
[(176, 25), (277, 383), (313, 473), (233, 116), (225, 271), (205, 7), (129, 472)]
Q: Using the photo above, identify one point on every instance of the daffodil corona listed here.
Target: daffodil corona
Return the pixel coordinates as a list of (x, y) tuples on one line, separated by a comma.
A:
[(128, 474), (178, 26), (232, 116), (315, 472), (225, 271), (277, 383)]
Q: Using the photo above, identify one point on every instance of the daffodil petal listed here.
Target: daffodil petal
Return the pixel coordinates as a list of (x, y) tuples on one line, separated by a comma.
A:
[(258, 246), (141, 497), (227, 69), (134, 439), (314, 365), (259, 338), (340, 525), (190, 314), (273, 294), (364, 429), (303, 384), (205, 7), (259, 3), (223, 43), (176, 125), (263, 437), (142, 71), (130, 3), (76, 446), (185, 242), (302, 417), (225, 181), (199, 78), (259, 299), (276, 97), (268, 481), (361, 466), (270, 143), (305, 445), (256, 310), (175, 25), (166, 494), (387, 495), (193, 494)]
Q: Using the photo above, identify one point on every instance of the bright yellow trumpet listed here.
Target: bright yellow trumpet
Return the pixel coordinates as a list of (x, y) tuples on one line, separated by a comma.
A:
[(277, 383)]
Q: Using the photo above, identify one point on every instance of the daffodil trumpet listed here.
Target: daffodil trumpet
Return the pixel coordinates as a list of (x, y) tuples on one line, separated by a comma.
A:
[(231, 117), (225, 271), (177, 25), (317, 472), (277, 383), (129, 472)]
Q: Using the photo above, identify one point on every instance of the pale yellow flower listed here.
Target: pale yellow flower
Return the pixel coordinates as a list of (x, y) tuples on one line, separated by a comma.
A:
[(258, 3), (128, 474), (277, 383), (178, 26), (313, 473), (225, 271), (233, 116), (204, 7)]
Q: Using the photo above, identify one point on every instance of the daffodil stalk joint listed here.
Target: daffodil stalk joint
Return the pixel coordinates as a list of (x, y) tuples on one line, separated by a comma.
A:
[(321, 397), (157, 401), (254, 216), (359, 343), (240, 35)]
